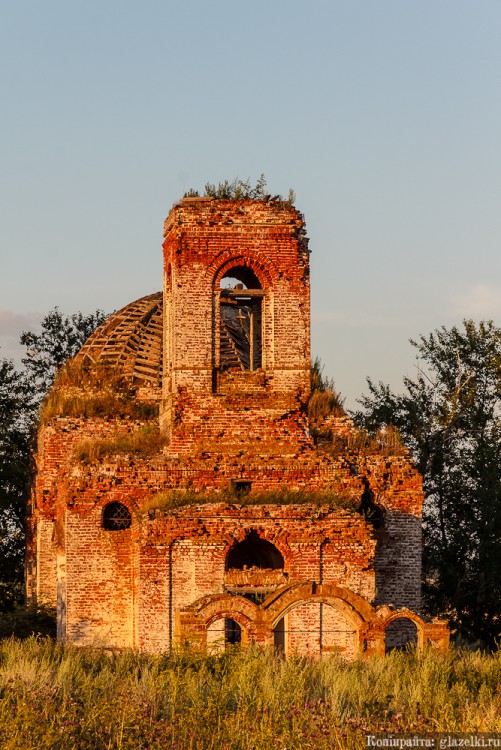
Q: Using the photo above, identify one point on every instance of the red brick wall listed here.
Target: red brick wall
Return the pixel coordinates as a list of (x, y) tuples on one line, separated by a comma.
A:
[(99, 582), (204, 409), (194, 542), (130, 588)]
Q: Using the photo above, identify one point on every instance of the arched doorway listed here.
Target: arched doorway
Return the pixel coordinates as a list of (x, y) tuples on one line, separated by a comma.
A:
[(400, 633), (222, 633)]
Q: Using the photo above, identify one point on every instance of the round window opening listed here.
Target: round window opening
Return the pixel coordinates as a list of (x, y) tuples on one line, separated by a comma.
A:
[(116, 517)]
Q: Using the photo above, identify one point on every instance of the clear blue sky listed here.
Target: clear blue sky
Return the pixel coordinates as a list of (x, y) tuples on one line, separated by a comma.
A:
[(385, 118)]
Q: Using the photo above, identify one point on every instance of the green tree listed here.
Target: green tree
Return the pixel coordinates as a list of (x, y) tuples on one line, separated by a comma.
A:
[(16, 415), (20, 395), (60, 339), (449, 417)]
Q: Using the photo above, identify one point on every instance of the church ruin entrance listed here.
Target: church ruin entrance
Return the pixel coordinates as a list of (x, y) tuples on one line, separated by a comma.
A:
[(400, 634), (222, 633), (254, 552), (241, 320)]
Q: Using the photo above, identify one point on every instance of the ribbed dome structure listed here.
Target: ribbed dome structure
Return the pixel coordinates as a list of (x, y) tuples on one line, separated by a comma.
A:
[(131, 341)]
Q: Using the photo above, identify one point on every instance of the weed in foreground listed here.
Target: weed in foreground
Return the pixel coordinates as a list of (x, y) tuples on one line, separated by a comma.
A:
[(243, 699)]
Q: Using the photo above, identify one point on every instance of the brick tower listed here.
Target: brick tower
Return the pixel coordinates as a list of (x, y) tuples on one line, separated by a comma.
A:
[(236, 327)]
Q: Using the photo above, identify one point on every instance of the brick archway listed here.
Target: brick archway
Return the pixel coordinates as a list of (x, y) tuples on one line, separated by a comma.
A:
[(259, 264), (357, 608), (351, 608), (195, 620), (258, 623), (401, 614), (242, 339), (434, 634)]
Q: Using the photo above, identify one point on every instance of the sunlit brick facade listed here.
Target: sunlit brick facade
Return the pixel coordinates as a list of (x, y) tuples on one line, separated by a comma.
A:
[(223, 357)]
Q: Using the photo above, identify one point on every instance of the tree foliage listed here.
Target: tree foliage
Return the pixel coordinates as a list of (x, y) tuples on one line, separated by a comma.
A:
[(16, 414), (60, 339), (20, 395), (450, 419)]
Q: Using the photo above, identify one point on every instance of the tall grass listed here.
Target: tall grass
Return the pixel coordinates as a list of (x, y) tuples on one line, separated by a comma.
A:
[(74, 699), (326, 403)]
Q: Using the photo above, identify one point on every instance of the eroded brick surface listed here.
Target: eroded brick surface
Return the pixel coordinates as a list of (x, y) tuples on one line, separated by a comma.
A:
[(230, 417)]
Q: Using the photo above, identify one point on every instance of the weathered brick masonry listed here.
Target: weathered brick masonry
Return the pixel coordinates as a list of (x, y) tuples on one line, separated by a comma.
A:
[(143, 529)]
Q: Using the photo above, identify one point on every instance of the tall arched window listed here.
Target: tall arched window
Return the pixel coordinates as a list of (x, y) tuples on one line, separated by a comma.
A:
[(241, 320)]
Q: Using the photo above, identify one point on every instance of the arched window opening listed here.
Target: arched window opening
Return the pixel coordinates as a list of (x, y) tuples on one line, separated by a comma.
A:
[(279, 632), (241, 320), (232, 632), (400, 634), (116, 517), (222, 633), (254, 552)]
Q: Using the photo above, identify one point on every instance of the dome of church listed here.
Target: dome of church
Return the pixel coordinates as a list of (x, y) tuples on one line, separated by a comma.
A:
[(130, 341)]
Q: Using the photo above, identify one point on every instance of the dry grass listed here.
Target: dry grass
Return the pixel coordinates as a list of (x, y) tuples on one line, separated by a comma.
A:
[(326, 403), (55, 698), (385, 442), (84, 390), (145, 442), (172, 499)]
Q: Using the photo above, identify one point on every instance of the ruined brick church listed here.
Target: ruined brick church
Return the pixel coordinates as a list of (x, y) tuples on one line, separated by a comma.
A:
[(182, 494)]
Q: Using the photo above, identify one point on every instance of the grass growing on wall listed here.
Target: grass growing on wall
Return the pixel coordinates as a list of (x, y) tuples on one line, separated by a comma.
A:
[(384, 442), (172, 499), (79, 699), (144, 442), (85, 390)]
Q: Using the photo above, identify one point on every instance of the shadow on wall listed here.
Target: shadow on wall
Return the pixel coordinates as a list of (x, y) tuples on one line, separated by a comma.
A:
[(397, 562), (400, 634)]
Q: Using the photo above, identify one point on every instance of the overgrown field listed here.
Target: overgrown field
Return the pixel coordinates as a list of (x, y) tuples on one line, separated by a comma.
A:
[(71, 698)]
